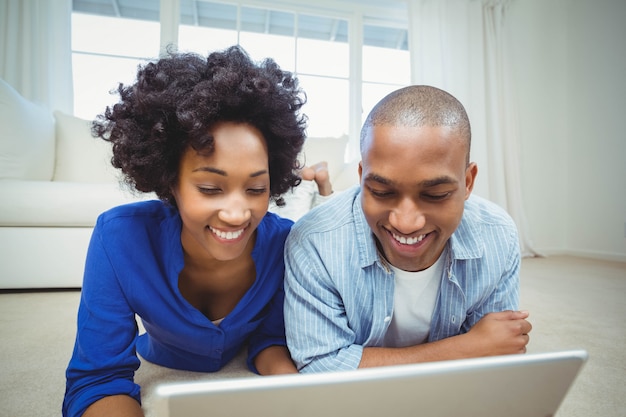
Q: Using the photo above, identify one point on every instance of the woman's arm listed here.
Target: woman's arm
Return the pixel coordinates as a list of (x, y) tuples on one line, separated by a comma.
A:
[(114, 406), (104, 359), (275, 360)]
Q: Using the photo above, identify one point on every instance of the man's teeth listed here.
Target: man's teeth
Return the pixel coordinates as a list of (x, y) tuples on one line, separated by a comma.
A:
[(227, 235), (408, 241)]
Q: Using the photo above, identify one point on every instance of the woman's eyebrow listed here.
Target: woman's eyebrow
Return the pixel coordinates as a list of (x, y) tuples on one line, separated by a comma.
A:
[(213, 170), (224, 174)]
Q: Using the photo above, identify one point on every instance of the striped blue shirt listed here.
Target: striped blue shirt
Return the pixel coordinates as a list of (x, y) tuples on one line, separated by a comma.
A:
[(339, 292)]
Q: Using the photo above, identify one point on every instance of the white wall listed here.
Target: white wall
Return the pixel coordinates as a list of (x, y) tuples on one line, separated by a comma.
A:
[(597, 133), (570, 68)]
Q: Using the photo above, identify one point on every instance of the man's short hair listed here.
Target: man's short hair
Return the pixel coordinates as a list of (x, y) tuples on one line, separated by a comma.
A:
[(416, 106)]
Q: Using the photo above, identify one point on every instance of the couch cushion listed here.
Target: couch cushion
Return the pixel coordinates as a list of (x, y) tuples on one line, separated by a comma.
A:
[(59, 204), (348, 177), (26, 137), (79, 156)]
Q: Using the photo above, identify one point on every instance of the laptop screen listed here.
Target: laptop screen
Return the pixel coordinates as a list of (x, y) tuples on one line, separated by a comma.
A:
[(531, 385)]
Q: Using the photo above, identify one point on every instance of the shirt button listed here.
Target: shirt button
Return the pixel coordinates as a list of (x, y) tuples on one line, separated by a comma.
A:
[(453, 319), (387, 319)]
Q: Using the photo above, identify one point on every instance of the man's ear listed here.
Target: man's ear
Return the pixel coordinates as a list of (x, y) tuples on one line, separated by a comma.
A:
[(360, 170), (470, 176)]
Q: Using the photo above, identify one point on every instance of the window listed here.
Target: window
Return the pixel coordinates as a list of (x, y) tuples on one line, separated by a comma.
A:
[(109, 40), (106, 50), (314, 47), (388, 45)]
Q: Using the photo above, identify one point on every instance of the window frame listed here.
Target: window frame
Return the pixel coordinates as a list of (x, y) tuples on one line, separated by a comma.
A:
[(358, 14)]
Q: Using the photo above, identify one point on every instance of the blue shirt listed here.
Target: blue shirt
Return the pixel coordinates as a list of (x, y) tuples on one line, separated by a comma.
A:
[(133, 262), (339, 292)]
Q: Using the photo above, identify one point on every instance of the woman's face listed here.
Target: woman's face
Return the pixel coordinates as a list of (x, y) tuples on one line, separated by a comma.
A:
[(223, 196)]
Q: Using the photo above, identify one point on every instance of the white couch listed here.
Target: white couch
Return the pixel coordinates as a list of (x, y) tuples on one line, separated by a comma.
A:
[(55, 179)]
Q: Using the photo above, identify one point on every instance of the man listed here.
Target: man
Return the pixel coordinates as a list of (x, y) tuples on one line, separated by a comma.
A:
[(409, 267)]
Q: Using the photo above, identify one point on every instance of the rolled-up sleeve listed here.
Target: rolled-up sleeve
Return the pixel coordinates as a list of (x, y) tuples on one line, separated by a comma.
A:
[(318, 333)]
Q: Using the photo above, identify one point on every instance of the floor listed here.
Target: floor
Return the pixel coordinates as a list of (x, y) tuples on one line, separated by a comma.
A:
[(574, 303)]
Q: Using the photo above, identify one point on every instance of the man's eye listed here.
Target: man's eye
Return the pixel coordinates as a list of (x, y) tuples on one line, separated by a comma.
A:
[(380, 193), (436, 197)]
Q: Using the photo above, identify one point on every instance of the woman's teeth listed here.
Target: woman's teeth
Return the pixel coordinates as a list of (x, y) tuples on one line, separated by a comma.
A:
[(227, 235)]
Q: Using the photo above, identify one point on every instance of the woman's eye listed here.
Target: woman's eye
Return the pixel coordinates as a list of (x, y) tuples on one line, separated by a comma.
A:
[(257, 191), (209, 190)]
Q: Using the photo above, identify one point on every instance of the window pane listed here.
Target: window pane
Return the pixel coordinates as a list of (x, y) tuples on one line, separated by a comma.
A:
[(208, 14), (385, 37), (327, 105), (322, 47), (134, 9), (206, 26), (260, 46), (372, 94), (115, 36), (386, 65), (323, 58), (269, 34), (203, 40), (322, 28), (94, 78)]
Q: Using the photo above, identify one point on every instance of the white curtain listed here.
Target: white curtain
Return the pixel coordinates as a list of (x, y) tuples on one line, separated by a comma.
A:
[(35, 50), (461, 46)]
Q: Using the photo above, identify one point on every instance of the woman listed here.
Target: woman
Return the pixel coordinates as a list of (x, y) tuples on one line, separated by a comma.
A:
[(215, 139)]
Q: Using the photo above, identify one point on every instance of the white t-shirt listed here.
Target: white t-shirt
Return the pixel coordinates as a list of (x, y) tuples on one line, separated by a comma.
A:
[(414, 299)]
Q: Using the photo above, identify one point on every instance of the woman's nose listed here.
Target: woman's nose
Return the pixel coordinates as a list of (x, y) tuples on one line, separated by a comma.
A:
[(235, 211)]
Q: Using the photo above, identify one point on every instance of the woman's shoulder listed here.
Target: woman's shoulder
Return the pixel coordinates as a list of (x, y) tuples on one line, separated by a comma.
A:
[(136, 214), (274, 228), (273, 223)]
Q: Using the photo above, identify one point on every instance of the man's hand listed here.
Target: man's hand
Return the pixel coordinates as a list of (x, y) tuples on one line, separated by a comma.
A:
[(501, 333)]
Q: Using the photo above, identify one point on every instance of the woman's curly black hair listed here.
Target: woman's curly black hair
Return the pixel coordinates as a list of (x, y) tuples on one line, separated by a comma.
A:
[(176, 100)]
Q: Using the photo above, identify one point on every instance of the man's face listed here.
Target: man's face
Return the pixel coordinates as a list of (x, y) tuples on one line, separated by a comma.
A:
[(415, 181)]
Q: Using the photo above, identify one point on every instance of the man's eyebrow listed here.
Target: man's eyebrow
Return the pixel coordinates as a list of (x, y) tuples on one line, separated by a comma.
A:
[(224, 174), (433, 182), (438, 181), (379, 179)]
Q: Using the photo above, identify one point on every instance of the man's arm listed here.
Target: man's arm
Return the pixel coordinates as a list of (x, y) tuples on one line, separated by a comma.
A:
[(495, 334)]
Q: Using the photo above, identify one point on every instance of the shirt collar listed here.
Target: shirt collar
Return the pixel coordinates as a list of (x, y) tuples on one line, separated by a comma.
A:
[(467, 241), (368, 253)]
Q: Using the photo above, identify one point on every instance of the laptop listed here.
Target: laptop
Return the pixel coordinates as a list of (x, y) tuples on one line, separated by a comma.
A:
[(530, 385)]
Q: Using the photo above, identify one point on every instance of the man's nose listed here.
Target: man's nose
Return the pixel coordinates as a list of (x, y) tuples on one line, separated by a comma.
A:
[(407, 217)]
